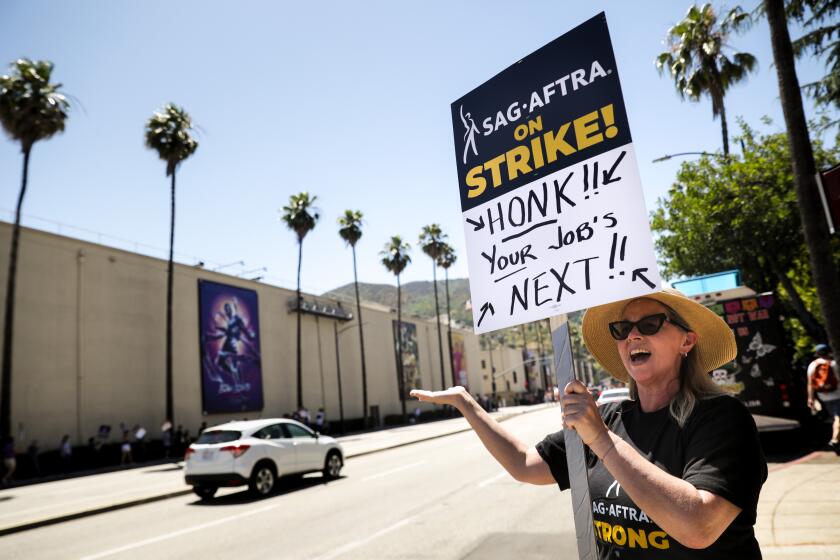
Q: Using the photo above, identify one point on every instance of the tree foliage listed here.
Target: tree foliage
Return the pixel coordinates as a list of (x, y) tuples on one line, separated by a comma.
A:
[(350, 226), (697, 60), (821, 22), (447, 256), (31, 108), (395, 255), (300, 215), (742, 212), (432, 240), (168, 132)]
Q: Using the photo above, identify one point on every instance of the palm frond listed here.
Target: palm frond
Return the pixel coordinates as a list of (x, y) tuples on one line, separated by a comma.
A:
[(31, 108)]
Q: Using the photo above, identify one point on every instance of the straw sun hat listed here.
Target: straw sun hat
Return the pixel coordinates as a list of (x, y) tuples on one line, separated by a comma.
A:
[(715, 340)]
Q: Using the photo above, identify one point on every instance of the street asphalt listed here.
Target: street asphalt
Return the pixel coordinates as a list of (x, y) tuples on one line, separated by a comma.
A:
[(439, 498)]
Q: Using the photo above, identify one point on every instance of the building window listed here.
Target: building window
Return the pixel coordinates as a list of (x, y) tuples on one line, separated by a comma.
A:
[(514, 376), (483, 365)]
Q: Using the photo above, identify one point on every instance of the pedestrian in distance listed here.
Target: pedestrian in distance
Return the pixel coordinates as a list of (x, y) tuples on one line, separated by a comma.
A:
[(65, 452), (674, 472), (166, 430), (823, 388), (303, 415), (320, 420), (9, 460), (125, 449)]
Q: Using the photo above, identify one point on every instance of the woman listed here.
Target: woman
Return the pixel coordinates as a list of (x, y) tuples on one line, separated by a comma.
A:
[(675, 472)]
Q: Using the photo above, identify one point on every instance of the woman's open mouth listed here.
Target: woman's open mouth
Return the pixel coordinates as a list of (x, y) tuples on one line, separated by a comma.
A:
[(639, 356)]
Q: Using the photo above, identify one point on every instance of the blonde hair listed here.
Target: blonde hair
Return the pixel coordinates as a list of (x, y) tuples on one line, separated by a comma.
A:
[(695, 384)]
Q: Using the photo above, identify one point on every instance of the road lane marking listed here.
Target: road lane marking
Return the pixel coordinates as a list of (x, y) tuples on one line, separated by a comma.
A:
[(490, 481), (392, 471), (361, 542), (186, 531)]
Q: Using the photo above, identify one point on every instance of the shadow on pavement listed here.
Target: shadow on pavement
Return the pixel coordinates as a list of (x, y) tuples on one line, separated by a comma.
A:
[(284, 486), (788, 445)]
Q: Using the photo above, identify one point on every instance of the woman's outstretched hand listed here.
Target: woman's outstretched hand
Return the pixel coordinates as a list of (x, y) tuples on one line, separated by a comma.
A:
[(454, 396)]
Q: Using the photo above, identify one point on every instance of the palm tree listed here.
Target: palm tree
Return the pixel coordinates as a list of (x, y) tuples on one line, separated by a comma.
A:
[(695, 58), (168, 133), (300, 216), (31, 109), (446, 259), (395, 258), (432, 240), (350, 231), (804, 171)]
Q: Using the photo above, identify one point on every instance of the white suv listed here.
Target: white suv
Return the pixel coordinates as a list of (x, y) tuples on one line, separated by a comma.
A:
[(257, 452)]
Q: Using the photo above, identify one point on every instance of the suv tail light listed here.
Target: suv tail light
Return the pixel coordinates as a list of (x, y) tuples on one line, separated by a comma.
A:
[(188, 452), (236, 450)]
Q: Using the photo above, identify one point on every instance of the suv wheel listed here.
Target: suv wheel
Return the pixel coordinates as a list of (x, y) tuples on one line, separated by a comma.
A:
[(204, 492), (332, 465), (263, 480)]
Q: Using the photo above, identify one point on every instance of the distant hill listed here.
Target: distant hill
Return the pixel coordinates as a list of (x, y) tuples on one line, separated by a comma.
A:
[(418, 297)]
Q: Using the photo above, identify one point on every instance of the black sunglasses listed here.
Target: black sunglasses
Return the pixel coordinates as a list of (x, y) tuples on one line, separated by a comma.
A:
[(648, 326)]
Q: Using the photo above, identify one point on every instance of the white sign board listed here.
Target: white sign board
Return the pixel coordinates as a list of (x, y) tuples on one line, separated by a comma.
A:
[(553, 208)]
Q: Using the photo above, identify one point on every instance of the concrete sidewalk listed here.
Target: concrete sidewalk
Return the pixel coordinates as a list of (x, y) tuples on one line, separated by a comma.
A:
[(37, 505), (799, 509)]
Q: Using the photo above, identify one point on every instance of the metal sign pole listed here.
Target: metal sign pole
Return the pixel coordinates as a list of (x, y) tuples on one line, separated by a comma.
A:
[(575, 458)]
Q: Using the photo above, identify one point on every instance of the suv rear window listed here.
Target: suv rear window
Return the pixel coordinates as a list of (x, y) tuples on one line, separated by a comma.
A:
[(219, 436)]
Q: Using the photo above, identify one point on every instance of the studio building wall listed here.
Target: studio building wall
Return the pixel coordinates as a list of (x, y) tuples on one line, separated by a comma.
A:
[(89, 345)]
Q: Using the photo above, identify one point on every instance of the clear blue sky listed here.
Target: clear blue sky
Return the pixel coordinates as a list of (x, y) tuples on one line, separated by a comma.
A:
[(347, 100)]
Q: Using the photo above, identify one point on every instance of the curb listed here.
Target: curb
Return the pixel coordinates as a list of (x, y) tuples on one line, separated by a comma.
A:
[(174, 494), (90, 512)]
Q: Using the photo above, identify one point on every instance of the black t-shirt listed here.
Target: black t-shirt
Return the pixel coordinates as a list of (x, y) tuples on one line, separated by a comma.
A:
[(717, 450)]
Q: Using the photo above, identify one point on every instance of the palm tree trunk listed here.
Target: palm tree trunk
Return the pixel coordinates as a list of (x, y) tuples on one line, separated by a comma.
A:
[(8, 328), (361, 340), (298, 306), (440, 335), (723, 128), (400, 369), (817, 239), (169, 279), (449, 328)]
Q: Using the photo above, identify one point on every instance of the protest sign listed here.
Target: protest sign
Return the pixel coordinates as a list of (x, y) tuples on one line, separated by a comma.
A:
[(553, 209), (552, 203)]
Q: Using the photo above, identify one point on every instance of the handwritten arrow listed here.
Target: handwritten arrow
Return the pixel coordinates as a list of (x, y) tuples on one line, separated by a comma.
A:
[(487, 307), (608, 175), (477, 225), (638, 274)]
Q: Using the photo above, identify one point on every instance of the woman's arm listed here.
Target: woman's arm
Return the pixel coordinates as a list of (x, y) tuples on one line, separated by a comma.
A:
[(695, 518), (523, 463)]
